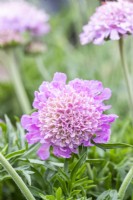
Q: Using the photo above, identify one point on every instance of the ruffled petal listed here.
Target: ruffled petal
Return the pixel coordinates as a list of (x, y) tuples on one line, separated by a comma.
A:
[(60, 152), (60, 77), (43, 151)]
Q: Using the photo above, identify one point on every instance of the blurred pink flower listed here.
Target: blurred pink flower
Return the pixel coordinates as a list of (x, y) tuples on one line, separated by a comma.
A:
[(18, 17), (68, 115), (110, 21), (126, 0), (10, 36)]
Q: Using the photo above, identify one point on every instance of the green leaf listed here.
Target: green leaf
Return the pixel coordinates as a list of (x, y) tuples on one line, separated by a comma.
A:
[(63, 184), (42, 183), (3, 126), (27, 176), (81, 171), (15, 154), (108, 181), (21, 136), (9, 134), (82, 182), (47, 197), (87, 187), (77, 166), (95, 161), (4, 149), (22, 167), (42, 196), (75, 192), (56, 164), (50, 197), (111, 146), (33, 148), (33, 161), (5, 177), (35, 191), (58, 193), (108, 195), (63, 175)]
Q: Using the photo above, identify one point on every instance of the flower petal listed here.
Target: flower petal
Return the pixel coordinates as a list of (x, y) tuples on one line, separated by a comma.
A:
[(43, 151)]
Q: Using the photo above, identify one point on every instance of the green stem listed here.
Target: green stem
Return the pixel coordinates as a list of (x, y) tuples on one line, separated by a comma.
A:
[(66, 164), (17, 179), (41, 68), (90, 173), (126, 75), (125, 184), (17, 82)]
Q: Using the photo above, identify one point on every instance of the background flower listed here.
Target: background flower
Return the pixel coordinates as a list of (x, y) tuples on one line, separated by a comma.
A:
[(110, 21), (11, 37), (68, 115), (127, 0), (18, 17)]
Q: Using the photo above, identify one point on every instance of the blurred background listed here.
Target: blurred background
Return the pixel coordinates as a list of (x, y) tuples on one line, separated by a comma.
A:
[(64, 53)]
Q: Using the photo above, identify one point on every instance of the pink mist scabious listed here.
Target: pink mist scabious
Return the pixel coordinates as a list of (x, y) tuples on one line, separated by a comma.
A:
[(126, 0), (68, 115), (20, 17), (111, 21), (10, 37)]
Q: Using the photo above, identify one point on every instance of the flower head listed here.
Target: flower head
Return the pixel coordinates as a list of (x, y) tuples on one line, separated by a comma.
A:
[(126, 0), (10, 37), (68, 115), (19, 17), (110, 21)]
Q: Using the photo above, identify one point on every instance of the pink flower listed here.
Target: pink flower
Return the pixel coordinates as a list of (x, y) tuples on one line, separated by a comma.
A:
[(10, 37), (110, 21), (126, 0), (68, 115), (19, 17)]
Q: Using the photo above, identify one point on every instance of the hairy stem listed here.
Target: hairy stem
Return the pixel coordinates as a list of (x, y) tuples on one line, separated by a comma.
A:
[(126, 75), (17, 82), (125, 184), (17, 179)]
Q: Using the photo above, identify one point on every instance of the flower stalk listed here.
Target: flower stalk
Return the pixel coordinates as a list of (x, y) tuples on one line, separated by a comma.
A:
[(126, 74), (42, 69), (17, 82), (125, 184), (17, 179)]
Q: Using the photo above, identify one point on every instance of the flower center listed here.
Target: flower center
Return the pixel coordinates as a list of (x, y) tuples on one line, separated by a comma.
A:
[(69, 119)]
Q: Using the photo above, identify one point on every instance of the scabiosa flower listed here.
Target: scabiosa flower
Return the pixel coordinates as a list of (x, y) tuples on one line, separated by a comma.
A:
[(110, 21), (10, 37), (20, 17), (126, 0), (68, 115)]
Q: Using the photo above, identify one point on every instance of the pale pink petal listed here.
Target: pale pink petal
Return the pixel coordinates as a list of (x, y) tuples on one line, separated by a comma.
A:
[(43, 151)]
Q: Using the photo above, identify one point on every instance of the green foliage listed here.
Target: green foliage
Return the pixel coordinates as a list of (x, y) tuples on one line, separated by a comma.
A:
[(111, 146), (108, 195), (58, 195), (7, 100), (92, 174)]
